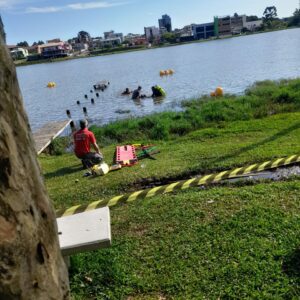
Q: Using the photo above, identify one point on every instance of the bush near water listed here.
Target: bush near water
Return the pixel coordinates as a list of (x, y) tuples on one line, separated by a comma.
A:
[(262, 99)]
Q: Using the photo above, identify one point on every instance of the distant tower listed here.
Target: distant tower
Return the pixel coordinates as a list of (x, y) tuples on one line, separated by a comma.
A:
[(83, 37), (165, 23)]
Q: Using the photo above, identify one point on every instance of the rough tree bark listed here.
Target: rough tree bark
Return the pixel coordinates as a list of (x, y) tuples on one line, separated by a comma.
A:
[(31, 266)]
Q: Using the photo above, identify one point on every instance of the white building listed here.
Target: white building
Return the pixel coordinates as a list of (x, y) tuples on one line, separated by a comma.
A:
[(80, 47), (19, 53), (111, 35), (109, 42), (253, 25), (152, 33), (130, 37)]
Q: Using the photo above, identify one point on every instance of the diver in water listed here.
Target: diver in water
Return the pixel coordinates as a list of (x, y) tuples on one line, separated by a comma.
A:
[(158, 91), (126, 92)]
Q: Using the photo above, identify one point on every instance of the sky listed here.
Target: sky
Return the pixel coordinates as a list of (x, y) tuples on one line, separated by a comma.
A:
[(33, 20)]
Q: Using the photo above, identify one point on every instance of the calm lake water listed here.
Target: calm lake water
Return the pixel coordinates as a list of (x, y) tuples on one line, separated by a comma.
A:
[(199, 68)]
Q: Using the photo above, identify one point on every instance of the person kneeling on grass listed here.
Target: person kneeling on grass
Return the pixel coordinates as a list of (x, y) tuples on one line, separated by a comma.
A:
[(83, 139)]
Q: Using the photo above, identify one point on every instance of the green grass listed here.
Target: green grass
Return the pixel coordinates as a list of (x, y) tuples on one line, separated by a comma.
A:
[(207, 150), (232, 241), (221, 243)]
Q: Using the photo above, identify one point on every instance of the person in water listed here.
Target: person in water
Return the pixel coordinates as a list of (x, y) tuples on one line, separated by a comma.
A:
[(126, 92), (158, 91), (137, 94)]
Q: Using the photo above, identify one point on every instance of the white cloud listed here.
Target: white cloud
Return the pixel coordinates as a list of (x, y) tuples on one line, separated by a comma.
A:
[(73, 6), (91, 5), (49, 9)]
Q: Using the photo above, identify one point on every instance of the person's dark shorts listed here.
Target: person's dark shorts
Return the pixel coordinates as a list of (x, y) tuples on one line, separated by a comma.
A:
[(91, 159)]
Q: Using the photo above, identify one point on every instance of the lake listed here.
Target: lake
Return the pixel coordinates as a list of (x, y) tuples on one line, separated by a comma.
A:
[(233, 63)]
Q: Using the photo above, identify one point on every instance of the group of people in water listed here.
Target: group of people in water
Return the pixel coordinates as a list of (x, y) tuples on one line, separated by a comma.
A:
[(157, 91)]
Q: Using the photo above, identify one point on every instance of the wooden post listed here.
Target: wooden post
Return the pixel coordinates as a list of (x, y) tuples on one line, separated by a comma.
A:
[(30, 259), (73, 127)]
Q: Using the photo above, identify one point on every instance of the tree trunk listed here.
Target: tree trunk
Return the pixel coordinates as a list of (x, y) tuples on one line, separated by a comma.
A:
[(31, 265)]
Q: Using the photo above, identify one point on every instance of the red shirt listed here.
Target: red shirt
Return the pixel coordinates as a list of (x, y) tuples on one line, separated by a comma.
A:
[(83, 139)]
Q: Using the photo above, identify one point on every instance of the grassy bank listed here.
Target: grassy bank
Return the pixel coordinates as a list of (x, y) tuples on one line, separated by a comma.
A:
[(229, 242), (261, 100), (212, 149)]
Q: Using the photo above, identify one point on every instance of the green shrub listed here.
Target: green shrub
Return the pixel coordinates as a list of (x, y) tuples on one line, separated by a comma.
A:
[(59, 145), (160, 131), (181, 127), (285, 95)]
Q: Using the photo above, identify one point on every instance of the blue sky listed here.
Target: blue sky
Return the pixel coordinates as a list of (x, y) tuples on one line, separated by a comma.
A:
[(33, 20)]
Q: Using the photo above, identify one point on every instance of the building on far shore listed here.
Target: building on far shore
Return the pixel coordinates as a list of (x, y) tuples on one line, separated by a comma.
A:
[(56, 40), (100, 42), (203, 31), (55, 49), (185, 34), (224, 25), (111, 42), (135, 39), (165, 23), (152, 33), (80, 47), (18, 53), (83, 37), (112, 35), (253, 25), (236, 24)]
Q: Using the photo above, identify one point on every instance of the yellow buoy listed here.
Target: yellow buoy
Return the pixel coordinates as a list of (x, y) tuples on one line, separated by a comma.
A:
[(219, 92), (166, 72), (51, 84)]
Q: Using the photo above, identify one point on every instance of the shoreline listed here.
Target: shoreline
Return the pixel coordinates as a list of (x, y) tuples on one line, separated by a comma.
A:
[(127, 50), (262, 99)]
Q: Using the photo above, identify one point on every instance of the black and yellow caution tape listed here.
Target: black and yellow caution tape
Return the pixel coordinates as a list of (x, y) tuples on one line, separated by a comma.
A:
[(180, 185)]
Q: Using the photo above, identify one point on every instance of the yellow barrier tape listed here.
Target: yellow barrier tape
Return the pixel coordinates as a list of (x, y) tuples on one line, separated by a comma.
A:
[(180, 185)]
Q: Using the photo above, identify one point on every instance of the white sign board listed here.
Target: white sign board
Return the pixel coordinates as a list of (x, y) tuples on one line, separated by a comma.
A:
[(84, 231)]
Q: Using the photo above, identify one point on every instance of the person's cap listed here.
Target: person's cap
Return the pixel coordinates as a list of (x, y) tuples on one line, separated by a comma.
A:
[(139, 87)]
